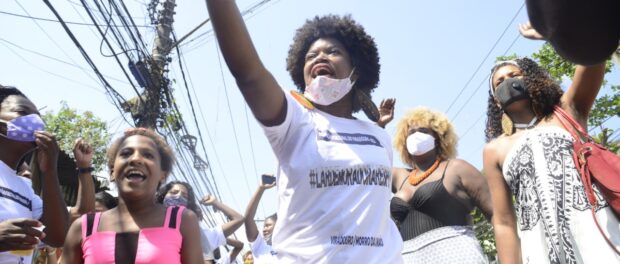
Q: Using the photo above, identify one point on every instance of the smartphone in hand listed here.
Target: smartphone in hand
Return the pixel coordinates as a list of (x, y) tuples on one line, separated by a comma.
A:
[(268, 179)]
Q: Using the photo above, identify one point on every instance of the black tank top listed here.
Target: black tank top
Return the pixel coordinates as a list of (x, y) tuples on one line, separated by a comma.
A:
[(430, 207)]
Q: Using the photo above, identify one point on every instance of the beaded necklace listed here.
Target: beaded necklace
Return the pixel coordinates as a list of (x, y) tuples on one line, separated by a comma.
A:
[(415, 179)]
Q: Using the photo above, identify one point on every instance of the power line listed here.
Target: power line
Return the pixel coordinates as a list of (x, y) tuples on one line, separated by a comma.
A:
[(191, 103), (204, 122), (484, 80), (52, 73), (472, 126), (56, 21), (115, 56), (485, 58), (250, 11), (247, 122), (245, 177), (58, 60), (52, 39), (119, 99)]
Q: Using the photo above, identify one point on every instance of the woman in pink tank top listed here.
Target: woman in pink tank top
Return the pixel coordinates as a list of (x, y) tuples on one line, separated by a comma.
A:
[(138, 230)]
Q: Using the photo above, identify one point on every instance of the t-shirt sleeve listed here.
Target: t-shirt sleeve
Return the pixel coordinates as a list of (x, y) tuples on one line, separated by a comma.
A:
[(279, 135), (215, 237), (259, 246), (37, 206), (37, 203)]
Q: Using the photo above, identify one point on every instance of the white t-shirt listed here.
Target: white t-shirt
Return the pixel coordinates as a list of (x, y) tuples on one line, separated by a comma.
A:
[(17, 200), (225, 259), (262, 252), (334, 185), (210, 239)]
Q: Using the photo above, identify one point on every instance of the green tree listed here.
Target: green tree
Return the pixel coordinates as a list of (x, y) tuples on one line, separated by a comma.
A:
[(68, 125), (484, 233), (606, 106)]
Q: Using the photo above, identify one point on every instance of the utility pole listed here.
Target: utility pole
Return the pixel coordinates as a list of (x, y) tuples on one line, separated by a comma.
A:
[(147, 115)]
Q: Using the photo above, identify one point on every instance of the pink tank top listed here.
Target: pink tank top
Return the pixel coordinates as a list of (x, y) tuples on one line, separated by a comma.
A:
[(149, 245)]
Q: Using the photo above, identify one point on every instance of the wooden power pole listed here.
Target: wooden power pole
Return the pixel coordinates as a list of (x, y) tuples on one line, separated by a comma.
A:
[(146, 110)]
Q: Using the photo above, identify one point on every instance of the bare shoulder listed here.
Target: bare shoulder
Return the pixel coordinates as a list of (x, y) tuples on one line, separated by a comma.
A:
[(461, 166), (398, 176), (399, 173), (499, 147), (189, 215)]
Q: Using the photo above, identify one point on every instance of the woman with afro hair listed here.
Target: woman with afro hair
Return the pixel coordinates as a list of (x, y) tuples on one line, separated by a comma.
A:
[(540, 210), (433, 200), (334, 175)]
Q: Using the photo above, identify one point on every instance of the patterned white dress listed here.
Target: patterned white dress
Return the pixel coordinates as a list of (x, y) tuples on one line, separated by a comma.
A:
[(554, 221)]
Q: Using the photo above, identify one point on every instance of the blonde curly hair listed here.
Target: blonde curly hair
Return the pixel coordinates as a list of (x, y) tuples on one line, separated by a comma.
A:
[(424, 117)]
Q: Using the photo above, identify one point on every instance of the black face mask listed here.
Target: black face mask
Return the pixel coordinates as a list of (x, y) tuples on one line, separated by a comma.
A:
[(510, 91)]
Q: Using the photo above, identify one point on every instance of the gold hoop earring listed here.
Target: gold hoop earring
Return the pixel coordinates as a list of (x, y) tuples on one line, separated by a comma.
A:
[(507, 125)]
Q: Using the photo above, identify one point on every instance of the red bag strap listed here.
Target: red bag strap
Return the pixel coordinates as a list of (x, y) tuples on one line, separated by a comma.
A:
[(581, 136), (602, 233), (576, 130)]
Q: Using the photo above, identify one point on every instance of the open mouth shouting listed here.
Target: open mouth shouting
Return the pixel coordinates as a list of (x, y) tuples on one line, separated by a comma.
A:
[(134, 175), (321, 69)]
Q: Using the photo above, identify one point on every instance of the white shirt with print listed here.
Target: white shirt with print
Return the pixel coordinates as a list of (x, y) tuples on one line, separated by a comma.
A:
[(262, 252), (334, 186), (211, 239), (17, 200)]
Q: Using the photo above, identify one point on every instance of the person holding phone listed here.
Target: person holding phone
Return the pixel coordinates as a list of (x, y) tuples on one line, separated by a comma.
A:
[(334, 176), (261, 243)]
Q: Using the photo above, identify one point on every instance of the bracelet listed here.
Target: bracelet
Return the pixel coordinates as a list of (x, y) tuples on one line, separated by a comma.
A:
[(85, 170)]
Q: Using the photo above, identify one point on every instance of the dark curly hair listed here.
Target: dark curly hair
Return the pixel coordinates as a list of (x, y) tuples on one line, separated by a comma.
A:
[(544, 91), (191, 196), (106, 199), (165, 152), (6, 91), (360, 46)]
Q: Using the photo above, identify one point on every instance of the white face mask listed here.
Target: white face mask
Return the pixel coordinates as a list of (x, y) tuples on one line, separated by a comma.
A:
[(420, 143), (326, 91)]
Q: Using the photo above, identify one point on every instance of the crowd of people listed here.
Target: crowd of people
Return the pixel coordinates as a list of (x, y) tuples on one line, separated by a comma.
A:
[(340, 199)]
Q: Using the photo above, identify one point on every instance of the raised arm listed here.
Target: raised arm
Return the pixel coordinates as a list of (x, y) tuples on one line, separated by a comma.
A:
[(503, 218), (55, 216), (476, 187), (260, 90), (587, 81), (72, 249), (251, 231), (236, 219), (237, 247), (580, 96), (85, 202), (386, 111)]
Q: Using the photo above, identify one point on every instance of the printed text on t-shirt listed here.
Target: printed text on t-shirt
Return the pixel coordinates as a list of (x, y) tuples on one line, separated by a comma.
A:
[(357, 175), (367, 241), (16, 197), (348, 138)]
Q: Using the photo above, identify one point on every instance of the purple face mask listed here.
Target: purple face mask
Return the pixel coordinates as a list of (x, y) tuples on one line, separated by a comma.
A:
[(23, 128)]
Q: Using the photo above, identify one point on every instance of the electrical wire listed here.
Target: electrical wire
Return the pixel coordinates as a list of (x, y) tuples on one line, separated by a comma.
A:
[(232, 120), (118, 98), (56, 21), (485, 58)]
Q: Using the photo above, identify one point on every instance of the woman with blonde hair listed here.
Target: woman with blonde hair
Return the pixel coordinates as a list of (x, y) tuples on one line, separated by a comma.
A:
[(432, 199)]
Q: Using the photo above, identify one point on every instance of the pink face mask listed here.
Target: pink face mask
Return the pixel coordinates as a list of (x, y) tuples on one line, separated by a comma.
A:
[(22, 128), (326, 91)]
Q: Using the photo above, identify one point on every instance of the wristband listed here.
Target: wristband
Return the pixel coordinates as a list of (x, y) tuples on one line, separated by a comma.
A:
[(85, 170)]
